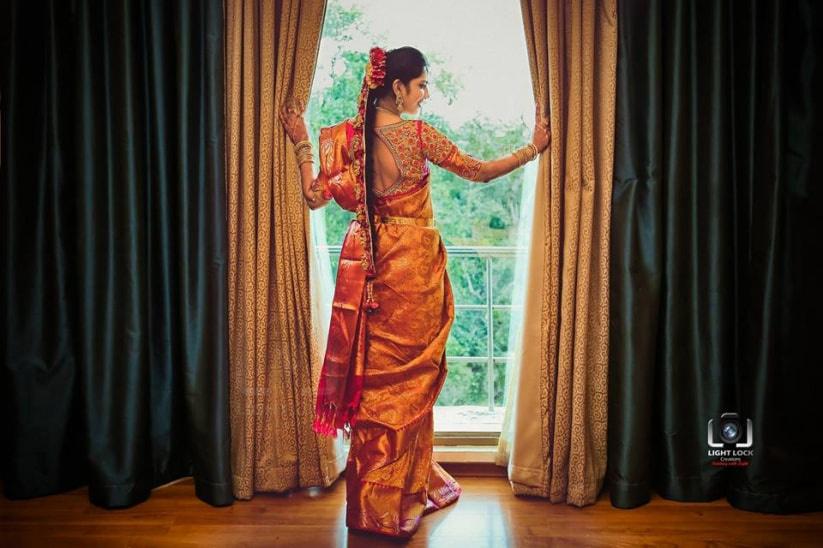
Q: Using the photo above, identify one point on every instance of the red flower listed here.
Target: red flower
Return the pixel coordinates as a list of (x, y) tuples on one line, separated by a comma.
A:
[(377, 67)]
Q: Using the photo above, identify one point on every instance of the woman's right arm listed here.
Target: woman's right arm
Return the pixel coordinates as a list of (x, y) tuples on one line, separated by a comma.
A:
[(291, 116), (443, 152)]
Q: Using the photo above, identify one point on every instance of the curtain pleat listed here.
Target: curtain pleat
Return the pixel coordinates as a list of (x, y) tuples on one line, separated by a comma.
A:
[(554, 441), (115, 369), (715, 278), (271, 53)]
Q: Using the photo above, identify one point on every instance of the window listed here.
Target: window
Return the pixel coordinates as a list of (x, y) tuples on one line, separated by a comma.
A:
[(481, 98)]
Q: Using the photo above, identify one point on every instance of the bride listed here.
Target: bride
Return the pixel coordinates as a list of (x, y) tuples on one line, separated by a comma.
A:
[(393, 307)]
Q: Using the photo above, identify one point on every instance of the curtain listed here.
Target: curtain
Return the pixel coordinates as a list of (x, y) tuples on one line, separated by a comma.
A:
[(271, 52), (715, 272), (554, 437), (115, 348)]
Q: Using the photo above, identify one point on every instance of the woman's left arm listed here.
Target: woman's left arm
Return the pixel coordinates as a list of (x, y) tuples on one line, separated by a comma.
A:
[(446, 154)]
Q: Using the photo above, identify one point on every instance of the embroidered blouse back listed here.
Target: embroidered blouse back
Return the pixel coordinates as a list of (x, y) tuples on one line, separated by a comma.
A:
[(410, 143)]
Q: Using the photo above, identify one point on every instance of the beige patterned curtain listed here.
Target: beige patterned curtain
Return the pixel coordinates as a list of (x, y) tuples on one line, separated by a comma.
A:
[(554, 435), (275, 342)]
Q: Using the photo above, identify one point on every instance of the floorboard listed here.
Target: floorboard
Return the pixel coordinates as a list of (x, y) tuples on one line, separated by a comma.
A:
[(487, 514)]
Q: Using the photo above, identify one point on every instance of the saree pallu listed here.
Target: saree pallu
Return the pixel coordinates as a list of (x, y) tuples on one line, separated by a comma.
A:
[(395, 353)]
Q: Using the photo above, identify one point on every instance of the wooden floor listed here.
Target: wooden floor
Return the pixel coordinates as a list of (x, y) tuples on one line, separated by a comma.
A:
[(487, 514)]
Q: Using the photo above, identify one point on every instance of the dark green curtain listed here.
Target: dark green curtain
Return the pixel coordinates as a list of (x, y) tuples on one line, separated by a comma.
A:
[(115, 358), (716, 281)]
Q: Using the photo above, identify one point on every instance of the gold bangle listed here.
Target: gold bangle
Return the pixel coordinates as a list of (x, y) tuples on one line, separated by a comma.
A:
[(521, 156), (303, 148), (525, 154), (304, 153), (303, 143)]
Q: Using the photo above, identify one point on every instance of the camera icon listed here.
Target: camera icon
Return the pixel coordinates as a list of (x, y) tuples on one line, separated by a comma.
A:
[(730, 431)]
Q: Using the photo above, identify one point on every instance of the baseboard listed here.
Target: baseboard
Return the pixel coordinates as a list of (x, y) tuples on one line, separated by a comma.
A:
[(468, 461)]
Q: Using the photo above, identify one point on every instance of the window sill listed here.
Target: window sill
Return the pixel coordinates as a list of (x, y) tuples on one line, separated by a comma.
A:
[(464, 453)]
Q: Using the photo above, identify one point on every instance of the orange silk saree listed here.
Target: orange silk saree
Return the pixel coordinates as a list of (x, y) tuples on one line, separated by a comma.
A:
[(393, 308)]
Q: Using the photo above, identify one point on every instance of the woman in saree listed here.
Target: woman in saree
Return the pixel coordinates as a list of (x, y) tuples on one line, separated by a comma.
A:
[(393, 308)]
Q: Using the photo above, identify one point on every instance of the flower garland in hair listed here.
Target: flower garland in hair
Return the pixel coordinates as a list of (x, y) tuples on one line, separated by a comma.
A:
[(373, 78), (376, 68)]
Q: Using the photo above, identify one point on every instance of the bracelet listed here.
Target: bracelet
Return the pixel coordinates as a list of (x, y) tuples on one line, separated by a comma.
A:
[(303, 151), (525, 154), (520, 155), (302, 148)]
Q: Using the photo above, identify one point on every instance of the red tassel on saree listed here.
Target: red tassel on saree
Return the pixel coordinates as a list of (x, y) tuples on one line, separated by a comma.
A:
[(385, 362)]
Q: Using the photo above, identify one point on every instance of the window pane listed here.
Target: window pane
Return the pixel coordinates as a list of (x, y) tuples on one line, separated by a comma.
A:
[(500, 383), (334, 260), (465, 384), (502, 279), (337, 223), (501, 332), (469, 334), (468, 279)]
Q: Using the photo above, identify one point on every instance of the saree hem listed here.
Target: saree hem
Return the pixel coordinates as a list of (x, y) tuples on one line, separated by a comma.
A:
[(437, 498)]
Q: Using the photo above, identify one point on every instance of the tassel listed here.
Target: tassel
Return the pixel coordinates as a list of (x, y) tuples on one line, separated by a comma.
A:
[(324, 420), (328, 418), (371, 304)]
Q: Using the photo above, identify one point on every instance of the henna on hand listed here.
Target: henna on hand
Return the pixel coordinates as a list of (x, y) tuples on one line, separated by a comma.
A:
[(291, 116)]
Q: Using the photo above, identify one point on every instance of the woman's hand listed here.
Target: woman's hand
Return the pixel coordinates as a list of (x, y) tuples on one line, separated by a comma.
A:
[(291, 116), (542, 134)]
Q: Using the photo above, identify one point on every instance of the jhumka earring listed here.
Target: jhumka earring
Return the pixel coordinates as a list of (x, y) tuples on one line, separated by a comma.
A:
[(399, 102)]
